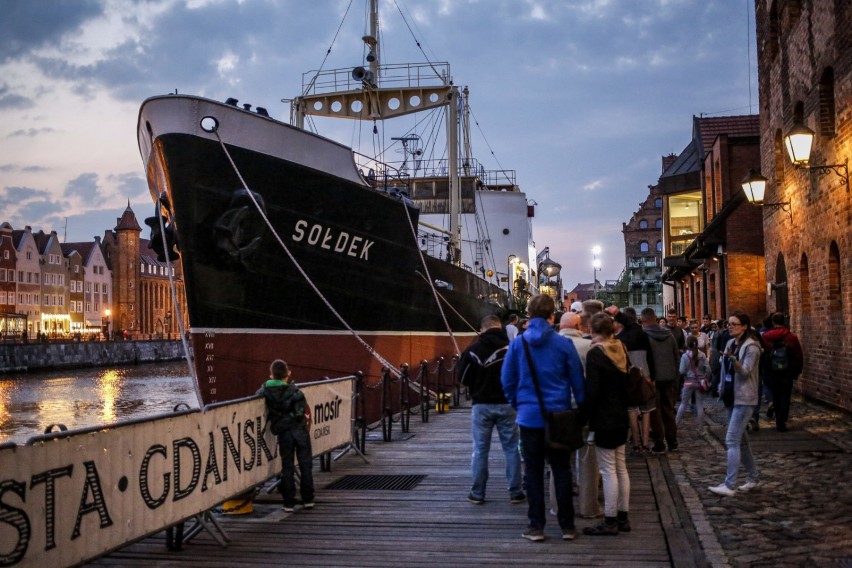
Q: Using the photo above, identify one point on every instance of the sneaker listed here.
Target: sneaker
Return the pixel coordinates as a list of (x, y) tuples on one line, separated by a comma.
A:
[(723, 490), (604, 528), (659, 448), (533, 534), (753, 426), (770, 411), (475, 500), (519, 498), (569, 534), (288, 508), (308, 505), (748, 486), (673, 446)]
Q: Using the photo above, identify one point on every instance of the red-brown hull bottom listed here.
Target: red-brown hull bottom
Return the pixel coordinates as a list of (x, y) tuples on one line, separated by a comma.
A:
[(233, 364)]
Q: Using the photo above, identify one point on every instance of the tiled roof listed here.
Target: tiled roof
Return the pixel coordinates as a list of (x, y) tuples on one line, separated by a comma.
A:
[(83, 249), (709, 128), (127, 221)]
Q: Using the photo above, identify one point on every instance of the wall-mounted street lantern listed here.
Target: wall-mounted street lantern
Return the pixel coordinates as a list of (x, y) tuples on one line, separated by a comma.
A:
[(754, 186), (799, 141)]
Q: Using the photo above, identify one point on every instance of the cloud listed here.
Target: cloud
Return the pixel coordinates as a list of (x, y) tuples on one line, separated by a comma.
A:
[(40, 209), (13, 100), (15, 195), (27, 25), (129, 184), (30, 132), (84, 186)]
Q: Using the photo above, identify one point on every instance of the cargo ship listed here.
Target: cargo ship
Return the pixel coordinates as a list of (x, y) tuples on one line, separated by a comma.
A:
[(298, 247)]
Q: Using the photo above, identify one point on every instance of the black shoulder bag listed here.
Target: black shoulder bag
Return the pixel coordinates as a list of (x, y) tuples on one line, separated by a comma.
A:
[(562, 429)]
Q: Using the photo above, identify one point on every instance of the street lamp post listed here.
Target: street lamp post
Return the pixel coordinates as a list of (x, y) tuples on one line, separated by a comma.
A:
[(596, 266)]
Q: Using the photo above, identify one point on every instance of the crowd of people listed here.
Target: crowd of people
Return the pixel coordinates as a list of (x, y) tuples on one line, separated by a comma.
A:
[(519, 375)]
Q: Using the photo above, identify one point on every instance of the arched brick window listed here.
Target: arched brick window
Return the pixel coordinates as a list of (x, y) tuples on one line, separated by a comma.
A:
[(643, 246), (805, 285), (826, 102), (780, 156), (643, 224), (835, 305)]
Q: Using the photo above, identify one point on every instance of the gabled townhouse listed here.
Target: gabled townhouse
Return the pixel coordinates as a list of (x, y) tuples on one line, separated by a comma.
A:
[(55, 319), (28, 279), (643, 247), (8, 259), (76, 275), (97, 284)]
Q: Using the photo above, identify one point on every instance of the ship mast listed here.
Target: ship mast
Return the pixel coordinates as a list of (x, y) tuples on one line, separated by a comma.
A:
[(358, 94)]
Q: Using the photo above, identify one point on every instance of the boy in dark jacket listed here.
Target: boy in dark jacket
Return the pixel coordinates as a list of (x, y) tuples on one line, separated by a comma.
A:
[(286, 415)]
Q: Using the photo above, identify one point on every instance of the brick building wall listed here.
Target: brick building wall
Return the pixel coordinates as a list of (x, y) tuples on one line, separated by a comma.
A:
[(805, 73), (645, 267)]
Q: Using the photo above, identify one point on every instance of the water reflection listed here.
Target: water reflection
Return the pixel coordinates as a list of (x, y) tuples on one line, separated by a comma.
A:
[(90, 397)]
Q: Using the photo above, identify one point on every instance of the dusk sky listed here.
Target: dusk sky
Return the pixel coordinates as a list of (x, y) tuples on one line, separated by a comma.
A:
[(581, 97)]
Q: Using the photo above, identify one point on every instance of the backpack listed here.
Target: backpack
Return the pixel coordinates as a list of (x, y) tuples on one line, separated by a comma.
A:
[(779, 358)]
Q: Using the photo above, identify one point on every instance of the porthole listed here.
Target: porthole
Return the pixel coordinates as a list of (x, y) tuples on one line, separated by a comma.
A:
[(414, 101), (356, 106), (209, 124), (393, 103), (336, 106)]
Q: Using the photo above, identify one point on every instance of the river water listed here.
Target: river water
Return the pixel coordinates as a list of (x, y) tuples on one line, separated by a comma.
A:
[(79, 398)]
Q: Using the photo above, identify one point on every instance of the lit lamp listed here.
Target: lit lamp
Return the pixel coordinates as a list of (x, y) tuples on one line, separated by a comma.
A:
[(799, 141), (511, 277), (548, 268), (596, 265), (754, 186), (107, 313)]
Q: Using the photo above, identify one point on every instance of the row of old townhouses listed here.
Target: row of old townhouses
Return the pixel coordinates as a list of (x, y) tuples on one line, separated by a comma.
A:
[(104, 288), (755, 213)]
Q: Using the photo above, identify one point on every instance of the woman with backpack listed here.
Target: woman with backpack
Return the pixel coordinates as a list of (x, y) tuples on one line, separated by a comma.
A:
[(695, 370)]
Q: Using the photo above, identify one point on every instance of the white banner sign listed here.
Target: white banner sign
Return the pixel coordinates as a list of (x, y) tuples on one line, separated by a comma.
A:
[(71, 497)]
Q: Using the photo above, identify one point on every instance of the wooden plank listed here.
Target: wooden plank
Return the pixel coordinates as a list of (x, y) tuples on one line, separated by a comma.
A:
[(433, 523)]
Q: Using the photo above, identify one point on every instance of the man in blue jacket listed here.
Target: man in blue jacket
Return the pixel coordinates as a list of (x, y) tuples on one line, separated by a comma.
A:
[(560, 377)]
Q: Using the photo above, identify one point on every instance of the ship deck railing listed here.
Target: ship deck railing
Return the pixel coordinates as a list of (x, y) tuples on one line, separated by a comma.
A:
[(397, 75)]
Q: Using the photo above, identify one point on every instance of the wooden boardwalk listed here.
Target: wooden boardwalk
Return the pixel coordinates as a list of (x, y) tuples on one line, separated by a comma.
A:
[(433, 523)]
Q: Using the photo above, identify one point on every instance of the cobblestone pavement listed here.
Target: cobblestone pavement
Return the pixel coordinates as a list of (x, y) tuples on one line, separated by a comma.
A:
[(800, 515)]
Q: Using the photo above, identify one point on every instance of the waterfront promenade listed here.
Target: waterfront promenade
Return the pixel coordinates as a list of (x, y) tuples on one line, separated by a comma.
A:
[(800, 516)]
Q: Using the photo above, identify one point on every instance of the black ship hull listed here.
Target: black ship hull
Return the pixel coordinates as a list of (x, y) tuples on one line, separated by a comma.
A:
[(338, 270)]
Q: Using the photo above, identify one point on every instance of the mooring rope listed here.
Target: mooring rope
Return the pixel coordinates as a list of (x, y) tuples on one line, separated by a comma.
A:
[(176, 307), (313, 286), (449, 305), (429, 276)]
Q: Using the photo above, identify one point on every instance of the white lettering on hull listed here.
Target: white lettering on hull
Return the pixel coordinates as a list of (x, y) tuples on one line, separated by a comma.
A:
[(323, 237)]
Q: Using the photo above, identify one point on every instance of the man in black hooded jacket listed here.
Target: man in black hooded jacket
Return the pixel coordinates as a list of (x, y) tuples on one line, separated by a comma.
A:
[(479, 370)]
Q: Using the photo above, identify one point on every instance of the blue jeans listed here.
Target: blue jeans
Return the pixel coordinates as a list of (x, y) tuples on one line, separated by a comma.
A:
[(484, 418), (535, 452), (736, 440)]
